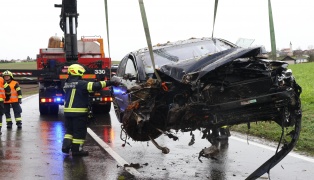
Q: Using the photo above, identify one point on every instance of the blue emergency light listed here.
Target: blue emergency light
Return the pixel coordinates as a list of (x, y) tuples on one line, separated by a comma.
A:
[(58, 100)]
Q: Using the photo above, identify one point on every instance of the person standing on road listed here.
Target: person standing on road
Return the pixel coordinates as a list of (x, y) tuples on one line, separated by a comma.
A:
[(5, 93), (14, 101), (76, 109)]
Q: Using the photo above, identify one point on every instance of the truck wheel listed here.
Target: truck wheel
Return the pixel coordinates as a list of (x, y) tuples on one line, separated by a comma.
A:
[(107, 108), (44, 110), (102, 109), (54, 109)]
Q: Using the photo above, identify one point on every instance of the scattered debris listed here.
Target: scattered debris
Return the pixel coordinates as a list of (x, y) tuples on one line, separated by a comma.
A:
[(145, 164), (209, 152), (192, 139), (136, 165)]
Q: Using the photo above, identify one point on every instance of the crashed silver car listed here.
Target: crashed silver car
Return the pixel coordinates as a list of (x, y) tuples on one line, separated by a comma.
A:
[(203, 84)]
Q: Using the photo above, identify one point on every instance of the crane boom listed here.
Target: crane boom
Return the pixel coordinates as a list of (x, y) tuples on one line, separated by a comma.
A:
[(68, 24)]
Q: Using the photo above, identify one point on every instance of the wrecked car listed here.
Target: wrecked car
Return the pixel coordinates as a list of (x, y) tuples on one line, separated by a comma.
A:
[(203, 84)]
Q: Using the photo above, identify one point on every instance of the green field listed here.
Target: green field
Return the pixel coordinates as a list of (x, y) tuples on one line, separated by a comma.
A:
[(305, 78), (115, 62), (18, 65)]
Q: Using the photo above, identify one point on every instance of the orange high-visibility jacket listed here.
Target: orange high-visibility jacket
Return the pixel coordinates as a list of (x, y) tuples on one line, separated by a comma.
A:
[(4, 90), (16, 92)]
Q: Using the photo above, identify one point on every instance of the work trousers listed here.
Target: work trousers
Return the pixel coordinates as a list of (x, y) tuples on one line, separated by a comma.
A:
[(77, 127), (17, 110), (1, 112)]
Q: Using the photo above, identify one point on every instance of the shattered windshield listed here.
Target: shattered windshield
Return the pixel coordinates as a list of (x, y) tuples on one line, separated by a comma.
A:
[(183, 51)]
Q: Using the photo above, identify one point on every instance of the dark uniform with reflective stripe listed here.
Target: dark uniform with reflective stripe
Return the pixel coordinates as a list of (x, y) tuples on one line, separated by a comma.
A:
[(75, 111), (14, 102), (5, 93)]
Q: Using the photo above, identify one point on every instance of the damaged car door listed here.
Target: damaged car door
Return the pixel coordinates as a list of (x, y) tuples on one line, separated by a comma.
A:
[(127, 75)]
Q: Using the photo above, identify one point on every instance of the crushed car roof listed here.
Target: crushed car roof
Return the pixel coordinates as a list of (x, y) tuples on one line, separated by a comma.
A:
[(206, 64), (173, 52), (195, 56)]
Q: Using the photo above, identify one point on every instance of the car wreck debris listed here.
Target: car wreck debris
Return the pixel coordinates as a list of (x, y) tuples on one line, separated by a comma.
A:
[(206, 84)]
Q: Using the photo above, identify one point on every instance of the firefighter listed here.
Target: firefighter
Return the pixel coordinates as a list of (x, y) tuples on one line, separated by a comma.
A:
[(14, 101), (76, 109), (5, 93)]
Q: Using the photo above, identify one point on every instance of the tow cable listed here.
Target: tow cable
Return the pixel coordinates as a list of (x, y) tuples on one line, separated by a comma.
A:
[(107, 28), (148, 39)]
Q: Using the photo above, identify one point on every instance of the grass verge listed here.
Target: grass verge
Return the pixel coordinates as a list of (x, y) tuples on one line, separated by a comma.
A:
[(304, 76)]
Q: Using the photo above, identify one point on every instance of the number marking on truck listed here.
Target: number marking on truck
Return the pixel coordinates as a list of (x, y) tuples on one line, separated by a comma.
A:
[(100, 71)]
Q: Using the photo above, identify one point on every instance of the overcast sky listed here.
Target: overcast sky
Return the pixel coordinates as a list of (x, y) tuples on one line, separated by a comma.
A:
[(26, 25)]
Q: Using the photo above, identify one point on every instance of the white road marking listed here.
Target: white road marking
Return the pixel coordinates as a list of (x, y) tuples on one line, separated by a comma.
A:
[(274, 149), (107, 148), (115, 155), (29, 96)]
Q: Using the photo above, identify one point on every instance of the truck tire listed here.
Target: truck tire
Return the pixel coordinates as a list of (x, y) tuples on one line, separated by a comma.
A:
[(44, 110), (48, 109), (102, 109), (107, 108), (54, 109)]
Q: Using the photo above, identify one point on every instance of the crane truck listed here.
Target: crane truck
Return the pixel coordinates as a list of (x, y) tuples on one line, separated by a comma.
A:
[(52, 63)]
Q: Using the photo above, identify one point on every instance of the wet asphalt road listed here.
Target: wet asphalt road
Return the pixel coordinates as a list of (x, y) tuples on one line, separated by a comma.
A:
[(35, 153)]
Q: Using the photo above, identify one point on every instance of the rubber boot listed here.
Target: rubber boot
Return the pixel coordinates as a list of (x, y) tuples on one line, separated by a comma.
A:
[(9, 125), (19, 125), (77, 150), (66, 145)]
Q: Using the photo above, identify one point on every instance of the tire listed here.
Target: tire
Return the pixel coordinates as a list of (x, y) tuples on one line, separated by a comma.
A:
[(54, 109), (43, 110), (48, 109), (147, 130), (144, 133), (102, 109), (107, 108)]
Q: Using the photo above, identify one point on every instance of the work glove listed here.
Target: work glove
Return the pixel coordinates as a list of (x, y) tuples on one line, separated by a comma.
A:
[(112, 83), (90, 115), (20, 100)]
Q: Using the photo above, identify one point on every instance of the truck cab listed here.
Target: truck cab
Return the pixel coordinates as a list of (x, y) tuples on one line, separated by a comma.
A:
[(52, 63)]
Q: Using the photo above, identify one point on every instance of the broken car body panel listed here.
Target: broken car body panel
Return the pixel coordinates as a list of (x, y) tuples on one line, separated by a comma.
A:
[(206, 83), (182, 70)]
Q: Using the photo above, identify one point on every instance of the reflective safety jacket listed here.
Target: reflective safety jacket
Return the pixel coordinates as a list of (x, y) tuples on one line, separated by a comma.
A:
[(76, 95), (16, 92), (5, 90)]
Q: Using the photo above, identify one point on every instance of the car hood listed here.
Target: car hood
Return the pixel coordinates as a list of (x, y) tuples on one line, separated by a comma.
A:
[(200, 67)]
